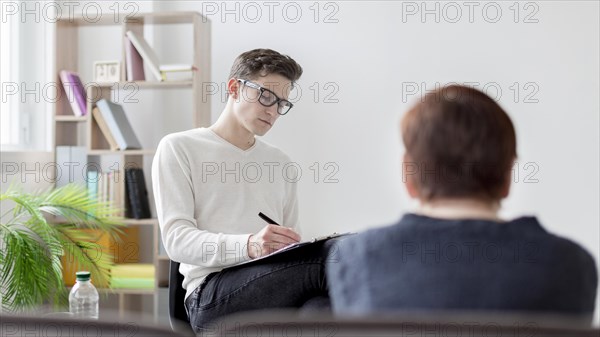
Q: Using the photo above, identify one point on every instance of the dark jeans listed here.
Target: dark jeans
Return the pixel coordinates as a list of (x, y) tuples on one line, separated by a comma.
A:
[(287, 280)]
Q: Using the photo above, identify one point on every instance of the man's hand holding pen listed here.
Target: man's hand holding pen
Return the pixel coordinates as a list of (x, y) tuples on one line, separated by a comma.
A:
[(271, 238)]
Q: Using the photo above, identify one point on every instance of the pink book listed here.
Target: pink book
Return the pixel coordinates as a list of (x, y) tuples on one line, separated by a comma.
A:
[(75, 92), (134, 62)]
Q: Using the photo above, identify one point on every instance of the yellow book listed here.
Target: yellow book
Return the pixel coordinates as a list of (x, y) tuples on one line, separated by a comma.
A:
[(132, 270)]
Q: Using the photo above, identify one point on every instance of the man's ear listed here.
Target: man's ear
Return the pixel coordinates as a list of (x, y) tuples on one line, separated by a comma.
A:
[(408, 170), (233, 88)]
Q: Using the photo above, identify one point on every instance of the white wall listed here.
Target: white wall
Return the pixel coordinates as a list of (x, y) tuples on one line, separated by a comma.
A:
[(373, 58), (377, 51)]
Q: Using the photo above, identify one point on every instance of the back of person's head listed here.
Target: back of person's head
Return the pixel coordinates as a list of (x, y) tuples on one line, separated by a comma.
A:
[(262, 62), (459, 144)]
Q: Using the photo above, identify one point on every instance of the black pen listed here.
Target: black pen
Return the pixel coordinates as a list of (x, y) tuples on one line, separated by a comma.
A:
[(267, 219)]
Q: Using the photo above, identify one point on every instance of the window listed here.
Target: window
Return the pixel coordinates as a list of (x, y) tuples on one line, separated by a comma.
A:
[(9, 115), (26, 46)]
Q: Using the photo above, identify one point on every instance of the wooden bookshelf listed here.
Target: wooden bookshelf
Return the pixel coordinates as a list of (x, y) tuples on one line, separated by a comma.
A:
[(71, 130), (145, 84), (141, 152)]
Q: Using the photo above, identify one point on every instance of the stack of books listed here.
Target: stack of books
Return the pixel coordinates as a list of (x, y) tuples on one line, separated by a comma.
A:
[(132, 276)]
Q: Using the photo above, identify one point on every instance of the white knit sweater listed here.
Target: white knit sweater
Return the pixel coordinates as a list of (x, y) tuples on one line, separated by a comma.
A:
[(208, 193)]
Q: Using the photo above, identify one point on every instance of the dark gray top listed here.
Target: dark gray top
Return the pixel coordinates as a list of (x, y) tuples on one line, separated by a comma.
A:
[(427, 263)]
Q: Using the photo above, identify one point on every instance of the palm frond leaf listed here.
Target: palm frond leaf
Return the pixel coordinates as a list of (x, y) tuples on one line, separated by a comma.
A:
[(88, 255), (23, 282), (33, 243)]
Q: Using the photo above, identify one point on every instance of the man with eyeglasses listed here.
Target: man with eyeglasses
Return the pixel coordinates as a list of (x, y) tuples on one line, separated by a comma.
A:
[(211, 183)]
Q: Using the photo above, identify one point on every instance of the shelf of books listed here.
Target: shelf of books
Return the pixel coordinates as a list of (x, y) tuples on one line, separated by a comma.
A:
[(97, 133)]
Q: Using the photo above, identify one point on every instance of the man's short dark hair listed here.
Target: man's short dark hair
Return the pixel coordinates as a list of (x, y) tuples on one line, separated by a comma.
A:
[(262, 62), (460, 144)]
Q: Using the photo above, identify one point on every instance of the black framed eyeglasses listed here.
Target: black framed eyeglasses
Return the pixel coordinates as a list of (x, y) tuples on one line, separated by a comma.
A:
[(268, 98)]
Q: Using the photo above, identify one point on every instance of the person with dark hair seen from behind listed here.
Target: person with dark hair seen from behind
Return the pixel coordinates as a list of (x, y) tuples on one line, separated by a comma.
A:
[(208, 206), (455, 253)]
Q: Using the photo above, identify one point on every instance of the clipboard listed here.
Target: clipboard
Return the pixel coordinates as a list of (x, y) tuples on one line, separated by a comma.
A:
[(294, 246)]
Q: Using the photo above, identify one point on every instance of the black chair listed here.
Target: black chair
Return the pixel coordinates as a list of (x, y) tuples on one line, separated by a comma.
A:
[(177, 315)]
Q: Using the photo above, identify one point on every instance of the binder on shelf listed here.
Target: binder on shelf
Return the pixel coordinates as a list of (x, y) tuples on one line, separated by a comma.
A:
[(70, 161), (137, 194), (75, 92), (112, 142), (133, 62), (151, 60), (118, 124)]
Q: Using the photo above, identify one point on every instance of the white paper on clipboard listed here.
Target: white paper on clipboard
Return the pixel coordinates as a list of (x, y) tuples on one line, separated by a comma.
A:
[(294, 246)]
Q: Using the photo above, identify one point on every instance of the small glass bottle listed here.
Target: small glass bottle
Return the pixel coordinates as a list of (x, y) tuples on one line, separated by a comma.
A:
[(83, 298)]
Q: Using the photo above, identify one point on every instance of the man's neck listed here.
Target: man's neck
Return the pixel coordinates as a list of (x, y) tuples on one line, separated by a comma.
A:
[(460, 209), (227, 128)]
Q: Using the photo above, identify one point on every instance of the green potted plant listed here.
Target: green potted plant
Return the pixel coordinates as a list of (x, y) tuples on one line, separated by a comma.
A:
[(37, 229)]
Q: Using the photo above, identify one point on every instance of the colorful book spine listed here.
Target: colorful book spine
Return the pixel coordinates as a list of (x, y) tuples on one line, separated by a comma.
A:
[(133, 62), (147, 53), (92, 184), (133, 270), (135, 283), (104, 188), (112, 142), (75, 92), (118, 124)]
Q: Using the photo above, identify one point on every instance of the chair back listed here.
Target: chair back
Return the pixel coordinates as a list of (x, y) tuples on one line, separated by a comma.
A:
[(292, 323), (177, 314)]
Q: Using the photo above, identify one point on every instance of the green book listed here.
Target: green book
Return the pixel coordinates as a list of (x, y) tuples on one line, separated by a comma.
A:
[(128, 282)]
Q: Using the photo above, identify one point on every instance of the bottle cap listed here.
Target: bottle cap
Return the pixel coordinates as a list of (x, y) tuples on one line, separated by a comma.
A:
[(82, 275)]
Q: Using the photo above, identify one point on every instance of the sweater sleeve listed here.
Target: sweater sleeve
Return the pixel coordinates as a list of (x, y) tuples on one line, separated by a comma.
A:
[(290, 209), (183, 238)]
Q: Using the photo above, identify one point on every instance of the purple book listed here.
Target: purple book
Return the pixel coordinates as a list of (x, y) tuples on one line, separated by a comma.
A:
[(134, 62), (75, 92)]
